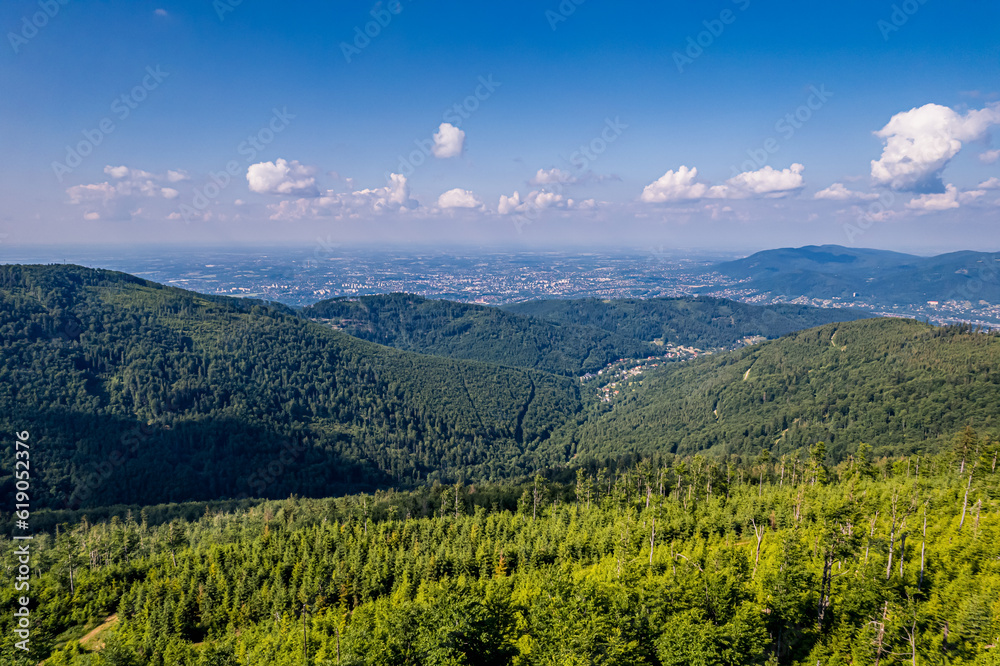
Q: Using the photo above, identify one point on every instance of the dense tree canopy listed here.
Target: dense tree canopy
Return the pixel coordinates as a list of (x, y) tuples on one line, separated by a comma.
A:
[(896, 384), (146, 394), (667, 561)]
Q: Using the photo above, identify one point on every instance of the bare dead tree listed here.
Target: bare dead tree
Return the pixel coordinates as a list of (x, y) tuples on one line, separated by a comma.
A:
[(923, 550), (759, 533), (652, 541), (871, 535), (965, 502)]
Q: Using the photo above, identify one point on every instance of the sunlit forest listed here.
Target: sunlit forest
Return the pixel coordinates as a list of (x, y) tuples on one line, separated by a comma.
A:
[(654, 561)]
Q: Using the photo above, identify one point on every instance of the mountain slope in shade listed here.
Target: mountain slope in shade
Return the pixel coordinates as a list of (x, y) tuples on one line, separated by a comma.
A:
[(135, 392), (477, 332), (699, 322)]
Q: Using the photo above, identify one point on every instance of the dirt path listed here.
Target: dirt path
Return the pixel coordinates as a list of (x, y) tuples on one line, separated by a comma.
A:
[(90, 641)]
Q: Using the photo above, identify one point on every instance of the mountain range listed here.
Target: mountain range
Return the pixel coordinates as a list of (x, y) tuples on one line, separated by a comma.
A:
[(139, 393), (832, 271)]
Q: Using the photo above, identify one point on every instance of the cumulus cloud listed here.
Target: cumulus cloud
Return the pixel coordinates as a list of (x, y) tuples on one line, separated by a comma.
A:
[(991, 184), (509, 205), (677, 185), (552, 176), (838, 192), (920, 143), (125, 182), (537, 201), (394, 197), (448, 141), (177, 176), (282, 177), (767, 182), (947, 200), (989, 157), (459, 198)]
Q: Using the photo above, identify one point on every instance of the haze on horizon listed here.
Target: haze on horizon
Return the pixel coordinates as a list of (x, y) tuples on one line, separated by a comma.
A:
[(732, 126)]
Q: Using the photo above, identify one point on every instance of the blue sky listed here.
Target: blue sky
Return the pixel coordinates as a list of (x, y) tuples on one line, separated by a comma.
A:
[(736, 124)]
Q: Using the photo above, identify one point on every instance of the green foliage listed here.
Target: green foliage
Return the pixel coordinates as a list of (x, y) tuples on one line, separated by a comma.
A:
[(899, 385), (699, 322), (477, 332), (146, 394), (663, 568)]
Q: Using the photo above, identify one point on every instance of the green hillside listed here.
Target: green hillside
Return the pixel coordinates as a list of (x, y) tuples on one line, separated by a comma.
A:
[(699, 322), (895, 384), (136, 392), (662, 563), (477, 332)]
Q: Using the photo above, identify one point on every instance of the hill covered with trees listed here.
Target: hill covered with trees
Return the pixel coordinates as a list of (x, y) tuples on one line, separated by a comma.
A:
[(698, 322), (670, 561), (896, 384), (477, 332), (146, 394), (143, 393), (832, 271)]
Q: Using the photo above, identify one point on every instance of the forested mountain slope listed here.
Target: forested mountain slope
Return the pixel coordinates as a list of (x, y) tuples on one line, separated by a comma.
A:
[(699, 322), (477, 332), (832, 271), (665, 563), (136, 392), (895, 384)]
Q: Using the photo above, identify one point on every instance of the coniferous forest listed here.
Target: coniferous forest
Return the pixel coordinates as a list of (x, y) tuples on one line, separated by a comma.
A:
[(225, 481)]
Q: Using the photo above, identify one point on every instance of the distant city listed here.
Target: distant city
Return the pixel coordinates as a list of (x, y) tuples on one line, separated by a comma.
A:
[(302, 276)]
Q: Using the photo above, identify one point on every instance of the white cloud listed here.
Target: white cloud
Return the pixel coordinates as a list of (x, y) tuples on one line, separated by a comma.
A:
[(920, 143), (394, 197), (949, 199), (767, 182), (989, 157), (459, 198), (551, 176), (675, 186), (92, 216), (509, 204), (448, 141), (282, 177), (991, 184), (681, 185), (177, 176), (534, 201), (160, 12), (837, 192), (125, 182)]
